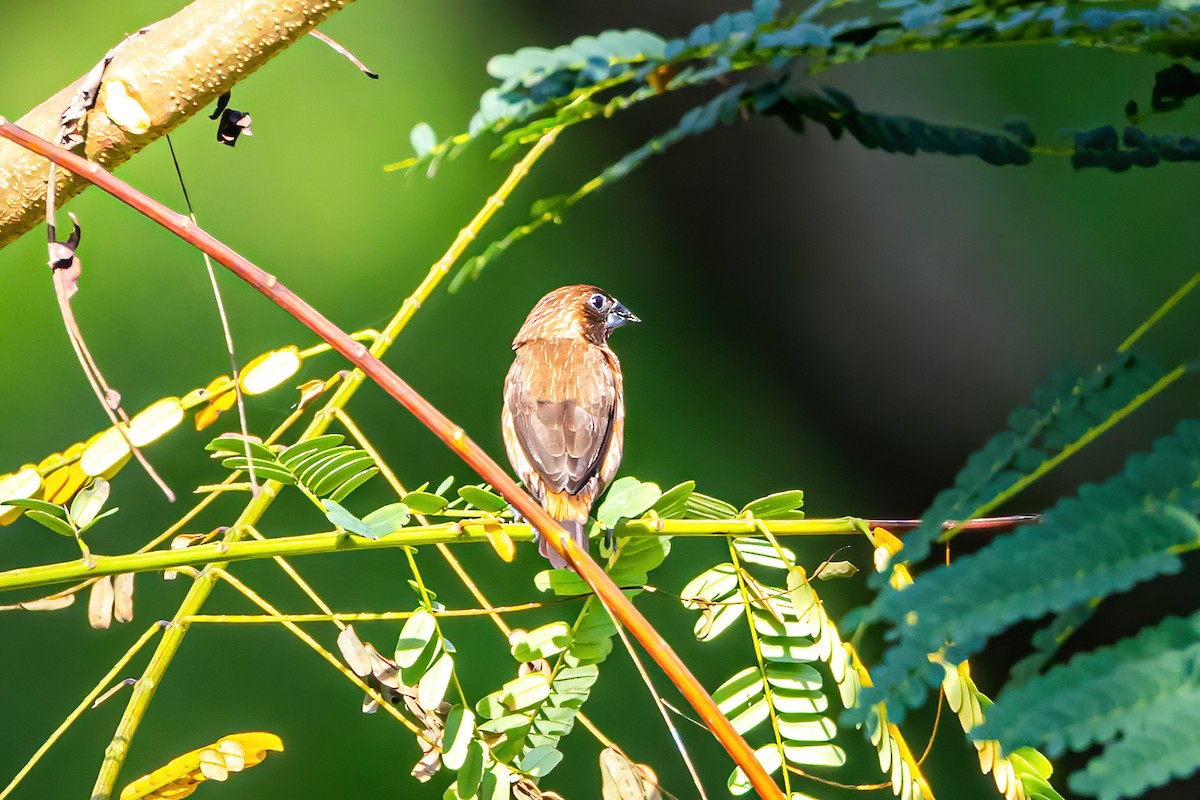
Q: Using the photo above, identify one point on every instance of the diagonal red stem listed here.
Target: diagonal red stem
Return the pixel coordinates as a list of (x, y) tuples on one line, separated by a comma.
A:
[(446, 430)]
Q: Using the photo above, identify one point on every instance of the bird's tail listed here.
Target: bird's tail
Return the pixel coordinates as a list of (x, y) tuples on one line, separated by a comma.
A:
[(578, 534)]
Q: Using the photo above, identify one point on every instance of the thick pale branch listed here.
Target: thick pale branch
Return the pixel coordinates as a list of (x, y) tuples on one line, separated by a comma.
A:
[(176, 68)]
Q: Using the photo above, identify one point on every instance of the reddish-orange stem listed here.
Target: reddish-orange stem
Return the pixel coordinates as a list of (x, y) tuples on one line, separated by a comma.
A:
[(453, 435)]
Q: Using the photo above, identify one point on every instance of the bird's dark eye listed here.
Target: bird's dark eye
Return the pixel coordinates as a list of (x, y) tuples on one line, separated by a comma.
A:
[(598, 301)]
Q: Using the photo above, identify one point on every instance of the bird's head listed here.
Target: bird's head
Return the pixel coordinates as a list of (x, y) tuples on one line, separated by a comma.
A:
[(574, 312)]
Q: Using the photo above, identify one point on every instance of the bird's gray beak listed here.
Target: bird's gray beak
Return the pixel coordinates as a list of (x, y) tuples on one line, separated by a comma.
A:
[(619, 315)]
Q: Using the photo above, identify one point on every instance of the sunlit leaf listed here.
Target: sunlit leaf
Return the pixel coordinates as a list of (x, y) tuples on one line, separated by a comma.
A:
[(525, 691), (775, 506), (621, 779), (22, 483), (563, 582), (460, 728), (155, 421), (541, 642), (628, 498), (762, 552), (62, 484), (105, 452), (673, 501), (794, 677), (268, 469), (471, 771), (771, 760), (540, 761), (234, 444), (296, 453), (738, 690), (269, 370), (89, 502), (54, 522), (343, 519), (701, 506), (714, 584), (423, 139), (388, 519), (820, 755), (418, 631), (482, 499), (431, 689), (425, 502)]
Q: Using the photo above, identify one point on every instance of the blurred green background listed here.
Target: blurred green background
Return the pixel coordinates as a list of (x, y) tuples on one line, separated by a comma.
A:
[(817, 316)]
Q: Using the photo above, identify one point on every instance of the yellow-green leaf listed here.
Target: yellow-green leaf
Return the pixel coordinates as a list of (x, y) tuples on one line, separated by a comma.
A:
[(180, 777), (103, 453), (269, 370), (155, 421), (22, 484)]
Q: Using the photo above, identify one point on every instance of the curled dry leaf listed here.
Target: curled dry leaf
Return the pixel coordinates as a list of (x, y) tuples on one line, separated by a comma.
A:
[(63, 259), (337, 48), (100, 603), (354, 652), (70, 132), (835, 569), (622, 779), (123, 597), (52, 603)]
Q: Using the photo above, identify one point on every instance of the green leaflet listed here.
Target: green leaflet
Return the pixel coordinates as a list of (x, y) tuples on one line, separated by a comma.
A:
[(1104, 540), (322, 465), (536, 711), (1140, 699), (1146, 757), (1135, 684), (1065, 411), (787, 699)]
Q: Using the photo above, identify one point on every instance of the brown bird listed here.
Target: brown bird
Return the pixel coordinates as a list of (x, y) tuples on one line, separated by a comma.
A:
[(564, 407)]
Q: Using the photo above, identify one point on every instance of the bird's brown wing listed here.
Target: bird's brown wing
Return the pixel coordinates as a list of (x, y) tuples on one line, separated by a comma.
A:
[(561, 395)]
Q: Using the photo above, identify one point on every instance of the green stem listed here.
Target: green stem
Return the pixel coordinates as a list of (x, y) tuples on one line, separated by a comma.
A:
[(443, 533)]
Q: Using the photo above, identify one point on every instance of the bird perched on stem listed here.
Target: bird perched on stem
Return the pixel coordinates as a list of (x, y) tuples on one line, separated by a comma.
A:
[(564, 407)]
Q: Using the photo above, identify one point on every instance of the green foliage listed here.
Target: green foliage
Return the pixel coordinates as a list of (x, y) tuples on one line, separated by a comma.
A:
[(784, 689), (524, 720), (1140, 698), (540, 89), (1065, 412), (322, 466), (1102, 541)]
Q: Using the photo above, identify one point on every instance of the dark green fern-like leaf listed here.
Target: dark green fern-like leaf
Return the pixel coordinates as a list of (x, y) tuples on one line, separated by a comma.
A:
[(1105, 540), (1064, 412), (1168, 748), (1140, 698), (1112, 691)]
